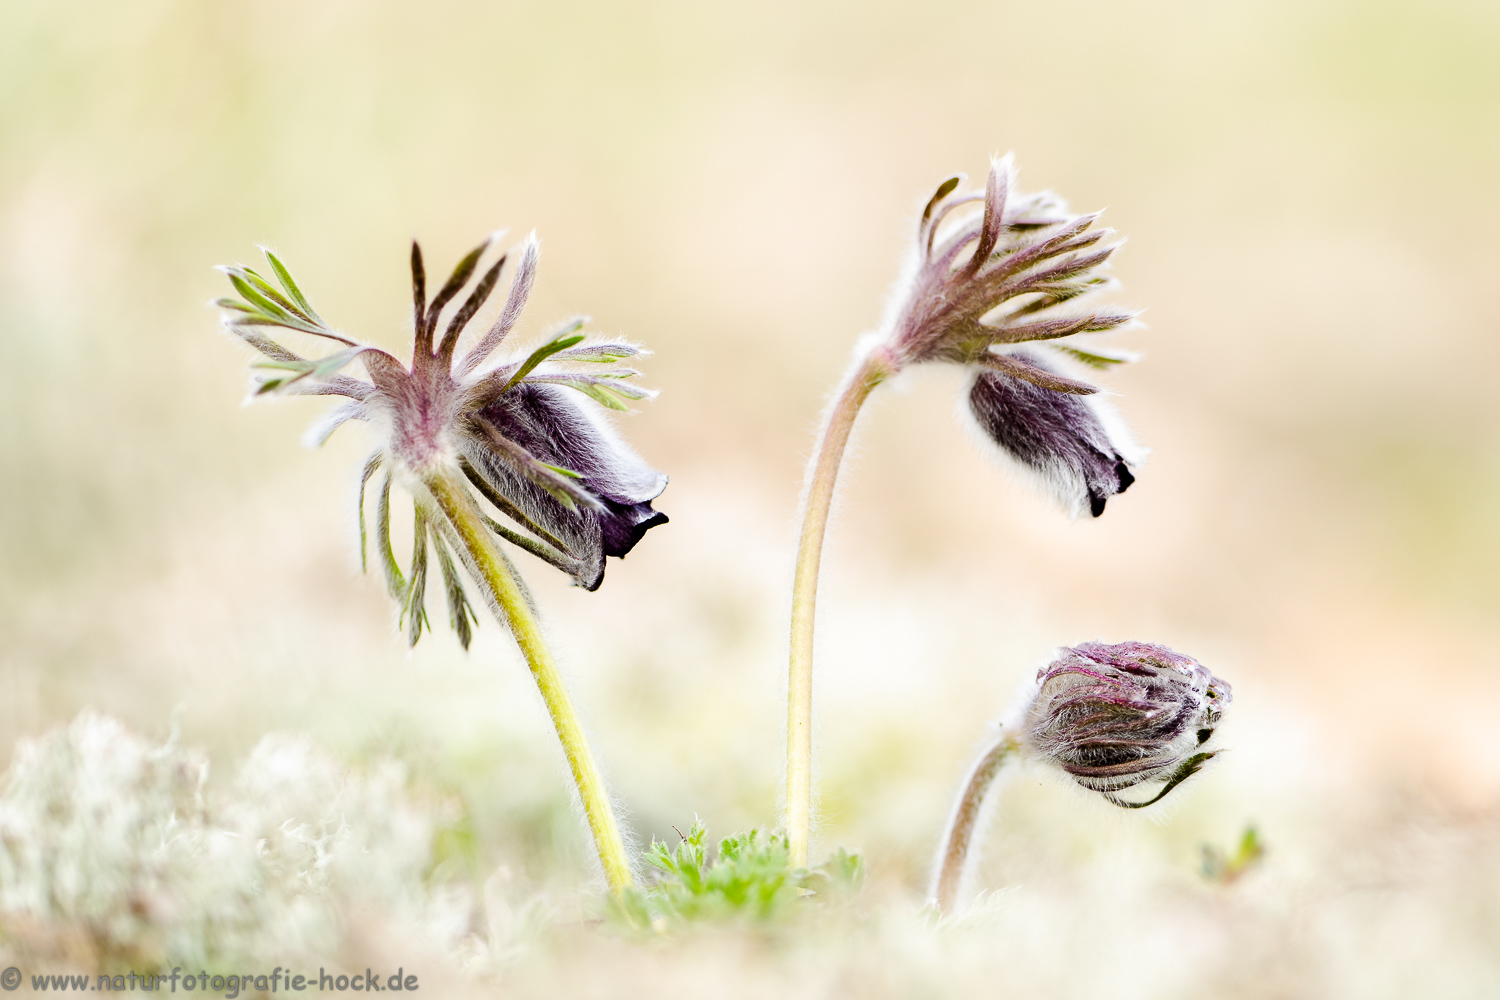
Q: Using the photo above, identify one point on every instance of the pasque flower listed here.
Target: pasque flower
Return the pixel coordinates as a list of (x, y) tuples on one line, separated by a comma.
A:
[(1110, 715), (1115, 716), (520, 431), (454, 433), (1004, 284), (1024, 271)]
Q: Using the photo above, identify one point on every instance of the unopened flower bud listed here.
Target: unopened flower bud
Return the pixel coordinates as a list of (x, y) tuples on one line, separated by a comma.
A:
[(1112, 716), (1117, 715)]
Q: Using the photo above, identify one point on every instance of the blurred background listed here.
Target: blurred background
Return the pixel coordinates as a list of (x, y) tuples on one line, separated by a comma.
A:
[(1308, 193)]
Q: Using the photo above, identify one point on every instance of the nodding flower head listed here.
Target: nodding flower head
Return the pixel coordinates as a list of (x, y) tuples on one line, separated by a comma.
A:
[(521, 431), (1021, 271), (1114, 716)]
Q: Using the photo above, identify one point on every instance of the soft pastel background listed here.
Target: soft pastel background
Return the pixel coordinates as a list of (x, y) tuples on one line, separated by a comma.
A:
[(1309, 193)]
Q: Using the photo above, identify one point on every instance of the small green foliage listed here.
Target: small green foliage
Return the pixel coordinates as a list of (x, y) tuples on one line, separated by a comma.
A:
[(1098, 357), (265, 305), (371, 465), (317, 370), (285, 277), (751, 879), (603, 354), (461, 614), (842, 874), (608, 394), (414, 600), (561, 341), (1227, 868)]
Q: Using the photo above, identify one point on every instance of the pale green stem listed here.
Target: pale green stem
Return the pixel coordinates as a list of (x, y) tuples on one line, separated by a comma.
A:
[(822, 476), (965, 819), (495, 573)]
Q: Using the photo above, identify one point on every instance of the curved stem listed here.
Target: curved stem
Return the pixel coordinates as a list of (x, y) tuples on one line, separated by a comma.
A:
[(495, 573), (961, 825), (822, 475)]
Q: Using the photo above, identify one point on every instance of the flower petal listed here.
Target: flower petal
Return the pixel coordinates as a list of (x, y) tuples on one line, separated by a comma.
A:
[(1061, 437), (555, 427)]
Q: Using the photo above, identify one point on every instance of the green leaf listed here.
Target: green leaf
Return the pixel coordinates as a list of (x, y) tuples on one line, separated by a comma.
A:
[(371, 465), (268, 307), (601, 395), (285, 277), (395, 582), (271, 292), (253, 295), (1097, 357), (460, 615), (326, 366), (605, 393), (541, 550), (599, 353), (414, 603), (559, 343), (263, 297), (319, 368), (509, 509)]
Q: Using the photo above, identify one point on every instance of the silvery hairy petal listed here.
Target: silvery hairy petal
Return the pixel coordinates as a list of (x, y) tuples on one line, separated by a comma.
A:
[(551, 424), (1064, 437)]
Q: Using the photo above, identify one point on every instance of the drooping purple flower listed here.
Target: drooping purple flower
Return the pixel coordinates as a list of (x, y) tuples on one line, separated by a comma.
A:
[(1061, 437), (1023, 270), (525, 438), (1118, 715)]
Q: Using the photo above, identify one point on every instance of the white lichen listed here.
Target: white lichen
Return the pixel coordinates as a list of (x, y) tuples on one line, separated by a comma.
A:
[(114, 853)]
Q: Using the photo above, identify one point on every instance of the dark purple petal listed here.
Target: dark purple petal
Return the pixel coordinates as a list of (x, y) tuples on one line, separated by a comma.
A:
[(554, 426), (1059, 436)]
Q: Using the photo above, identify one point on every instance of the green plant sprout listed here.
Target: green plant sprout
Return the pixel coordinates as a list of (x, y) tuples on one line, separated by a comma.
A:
[(1228, 868), (751, 878)]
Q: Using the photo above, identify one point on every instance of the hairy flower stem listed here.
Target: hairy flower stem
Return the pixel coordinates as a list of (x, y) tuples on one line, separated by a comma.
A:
[(496, 575), (961, 825), (822, 476)]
